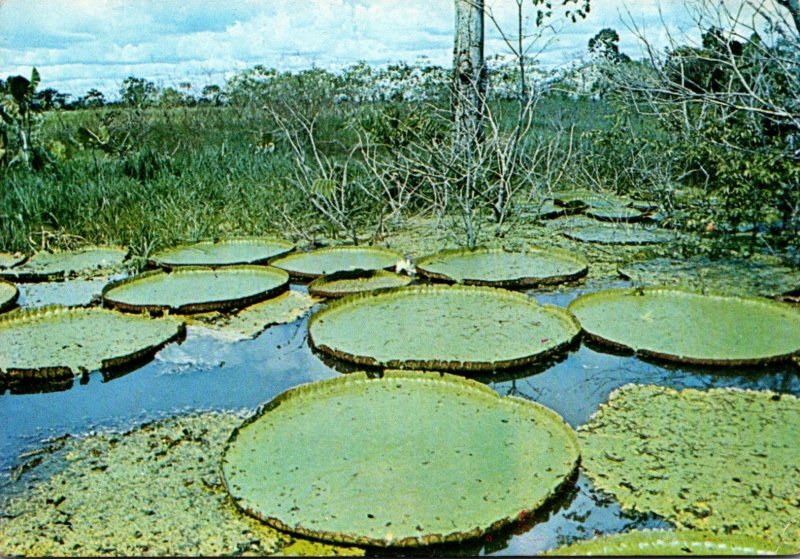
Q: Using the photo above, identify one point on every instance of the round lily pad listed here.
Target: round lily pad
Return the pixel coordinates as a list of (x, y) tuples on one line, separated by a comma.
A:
[(442, 327), (501, 268), (735, 276), (619, 235), (9, 260), (53, 343), (545, 209), (88, 261), (588, 198), (225, 252), (722, 460), (620, 213), (404, 460), (644, 205), (196, 289), (662, 543), (347, 283), (326, 261), (689, 327), (8, 295)]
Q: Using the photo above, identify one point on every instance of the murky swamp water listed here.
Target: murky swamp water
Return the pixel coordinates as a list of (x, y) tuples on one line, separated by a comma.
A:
[(208, 373)]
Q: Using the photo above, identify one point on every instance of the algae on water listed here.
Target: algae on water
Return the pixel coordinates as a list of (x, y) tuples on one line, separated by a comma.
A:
[(722, 460)]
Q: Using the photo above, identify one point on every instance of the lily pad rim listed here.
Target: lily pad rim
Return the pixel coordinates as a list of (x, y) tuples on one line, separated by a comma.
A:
[(37, 277), (661, 356), (522, 282), (189, 308), (154, 260), (392, 375), (316, 287), (462, 367), (336, 248), (9, 303)]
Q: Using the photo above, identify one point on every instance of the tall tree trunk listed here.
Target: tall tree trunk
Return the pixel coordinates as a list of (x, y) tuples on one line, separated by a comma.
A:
[(469, 72)]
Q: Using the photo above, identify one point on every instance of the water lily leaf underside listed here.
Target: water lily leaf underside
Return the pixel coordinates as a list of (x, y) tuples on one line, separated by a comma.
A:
[(443, 328), (196, 289), (723, 460), (404, 460), (226, 252), (501, 268), (54, 343), (688, 327), (326, 261)]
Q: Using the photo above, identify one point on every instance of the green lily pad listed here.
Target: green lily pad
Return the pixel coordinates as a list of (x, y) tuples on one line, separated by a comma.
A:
[(55, 342), (326, 261), (501, 268), (196, 289), (722, 460), (442, 327), (644, 205), (689, 327), (588, 198), (347, 283), (734, 276), (9, 260), (545, 209), (8, 295), (225, 252), (48, 266), (619, 213), (682, 542), (250, 321), (617, 235), (404, 460)]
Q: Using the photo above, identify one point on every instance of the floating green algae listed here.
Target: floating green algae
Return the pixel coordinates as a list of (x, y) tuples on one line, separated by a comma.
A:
[(661, 543), (498, 267), (689, 327), (460, 328), (617, 235), (250, 321), (59, 342), (196, 289), (341, 284), (152, 491), (326, 261), (223, 252), (8, 295), (9, 259), (722, 460), (735, 276), (87, 261), (404, 460)]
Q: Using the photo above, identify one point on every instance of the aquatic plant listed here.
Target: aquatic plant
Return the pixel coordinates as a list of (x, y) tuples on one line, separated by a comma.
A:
[(190, 289), (498, 267), (617, 235), (49, 266), (54, 343), (611, 213), (340, 284), (454, 328), (329, 260), (690, 327), (723, 460), (407, 459), (8, 295), (9, 260), (222, 252)]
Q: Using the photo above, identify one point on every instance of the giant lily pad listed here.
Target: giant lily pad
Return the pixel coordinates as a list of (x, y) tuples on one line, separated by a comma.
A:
[(403, 460), (723, 460), (735, 276), (588, 198), (611, 213), (196, 289), (688, 327), (326, 261), (226, 252), (661, 543), (9, 260), (501, 268), (88, 261), (444, 328), (53, 343), (347, 283), (8, 295), (617, 235)]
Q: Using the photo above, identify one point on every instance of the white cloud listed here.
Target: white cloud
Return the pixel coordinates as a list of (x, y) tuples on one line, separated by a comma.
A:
[(78, 44)]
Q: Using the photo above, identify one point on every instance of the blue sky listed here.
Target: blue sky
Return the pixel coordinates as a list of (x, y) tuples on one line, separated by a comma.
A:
[(83, 44)]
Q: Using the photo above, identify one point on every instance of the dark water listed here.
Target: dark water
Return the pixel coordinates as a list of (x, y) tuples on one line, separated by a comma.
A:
[(207, 373)]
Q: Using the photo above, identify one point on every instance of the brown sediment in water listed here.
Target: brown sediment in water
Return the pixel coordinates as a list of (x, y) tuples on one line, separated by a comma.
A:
[(153, 491)]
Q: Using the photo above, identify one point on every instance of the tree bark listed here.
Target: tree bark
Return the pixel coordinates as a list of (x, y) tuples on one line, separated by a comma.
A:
[(469, 72)]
